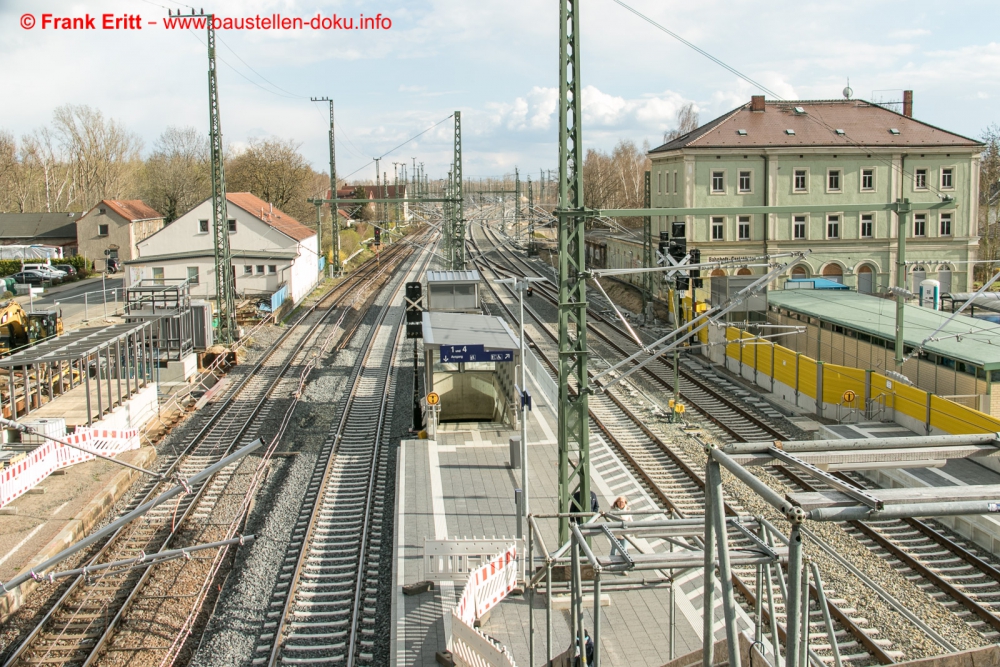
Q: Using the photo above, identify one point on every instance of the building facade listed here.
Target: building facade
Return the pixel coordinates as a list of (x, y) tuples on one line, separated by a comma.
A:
[(269, 248), (822, 153), (114, 228), (50, 229)]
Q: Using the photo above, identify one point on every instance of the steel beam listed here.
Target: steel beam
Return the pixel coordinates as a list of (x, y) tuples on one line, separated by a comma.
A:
[(458, 210)]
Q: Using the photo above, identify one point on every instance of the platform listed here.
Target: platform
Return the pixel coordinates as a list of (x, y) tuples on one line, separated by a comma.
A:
[(461, 486)]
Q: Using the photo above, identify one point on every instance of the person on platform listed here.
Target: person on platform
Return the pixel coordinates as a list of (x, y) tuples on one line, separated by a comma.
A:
[(621, 507)]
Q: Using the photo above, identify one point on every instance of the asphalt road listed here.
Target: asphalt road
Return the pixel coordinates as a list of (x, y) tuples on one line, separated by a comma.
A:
[(70, 299)]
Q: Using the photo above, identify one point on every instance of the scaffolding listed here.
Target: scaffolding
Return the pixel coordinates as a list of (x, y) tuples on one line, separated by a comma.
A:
[(167, 304)]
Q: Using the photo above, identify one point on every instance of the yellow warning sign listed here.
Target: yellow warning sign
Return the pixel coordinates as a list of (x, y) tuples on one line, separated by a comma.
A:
[(849, 396), (433, 398)]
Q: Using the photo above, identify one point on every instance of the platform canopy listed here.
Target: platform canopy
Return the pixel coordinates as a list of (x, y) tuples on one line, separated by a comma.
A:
[(492, 333), (74, 345)]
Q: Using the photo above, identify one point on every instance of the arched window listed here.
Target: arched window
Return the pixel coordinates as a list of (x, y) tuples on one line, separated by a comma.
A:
[(744, 272), (718, 272), (833, 272), (799, 271), (866, 279)]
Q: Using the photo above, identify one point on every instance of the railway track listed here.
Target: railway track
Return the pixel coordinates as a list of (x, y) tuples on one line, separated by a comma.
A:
[(326, 606), (677, 482), (79, 627)]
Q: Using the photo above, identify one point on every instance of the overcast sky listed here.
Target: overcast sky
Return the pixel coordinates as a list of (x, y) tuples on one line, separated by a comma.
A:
[(497, 63)]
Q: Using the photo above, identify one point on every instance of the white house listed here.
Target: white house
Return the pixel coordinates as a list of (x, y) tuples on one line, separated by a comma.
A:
[(270, 249)]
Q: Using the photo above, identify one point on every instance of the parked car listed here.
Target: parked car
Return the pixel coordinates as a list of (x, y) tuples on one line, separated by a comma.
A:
[(68, 268), (30, 278), (47, 269)]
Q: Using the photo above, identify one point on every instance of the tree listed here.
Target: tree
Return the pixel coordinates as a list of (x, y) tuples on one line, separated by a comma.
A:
[(687, 120), (274, 170), (102, 154), (175, 178), (989, 194), (616, 180)]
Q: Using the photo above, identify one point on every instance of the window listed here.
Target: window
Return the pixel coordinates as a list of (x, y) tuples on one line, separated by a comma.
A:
[(102, 230), (947, 178), (867, 220), (659, 182), (833, 180), (232, 226), (192, 275), (203, 226), (743, 228), (868, 179), (272, 269), (799, 227), (945, 228), (920, 224), (104, 211), (801, 180), (247, 270), (158, 275), (745, 181), (833, 226), (920, 179), (718, 227), (718, 182), (260, 269), (675, 182)]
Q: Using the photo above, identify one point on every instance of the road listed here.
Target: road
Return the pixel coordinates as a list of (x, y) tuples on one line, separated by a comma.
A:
[(81, 302)]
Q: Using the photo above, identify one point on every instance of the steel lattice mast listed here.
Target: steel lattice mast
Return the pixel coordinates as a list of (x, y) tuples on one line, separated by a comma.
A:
[(225, 291), (334, 215), (647, 251), (574, 423), (458, 208)]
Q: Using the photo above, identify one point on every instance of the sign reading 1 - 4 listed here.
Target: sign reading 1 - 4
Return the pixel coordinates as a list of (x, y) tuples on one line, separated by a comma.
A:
[(465, 353)]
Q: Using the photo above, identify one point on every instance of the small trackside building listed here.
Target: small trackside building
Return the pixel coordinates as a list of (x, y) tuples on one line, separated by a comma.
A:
[(270, 251), (115, 228)]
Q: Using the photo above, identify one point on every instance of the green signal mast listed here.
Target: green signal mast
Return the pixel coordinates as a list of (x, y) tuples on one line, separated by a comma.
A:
[(334, 214), (225, 289), (458, 207), (574, 422)]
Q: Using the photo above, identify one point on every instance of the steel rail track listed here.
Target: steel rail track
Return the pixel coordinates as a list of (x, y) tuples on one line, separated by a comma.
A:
[(653, 460), (80, 622), (324, 606)]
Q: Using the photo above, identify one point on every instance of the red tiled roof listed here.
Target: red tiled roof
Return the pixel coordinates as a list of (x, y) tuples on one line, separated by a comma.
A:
[(259, 208), (131, 209), (863, 124)]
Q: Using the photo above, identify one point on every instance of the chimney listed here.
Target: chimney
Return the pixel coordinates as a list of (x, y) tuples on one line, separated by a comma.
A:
[(908, 103), (756, 103)]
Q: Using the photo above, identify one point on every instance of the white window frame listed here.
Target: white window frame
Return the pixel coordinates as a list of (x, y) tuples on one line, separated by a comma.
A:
[(951, 223), (805, 227), (744, 220), (161, 277), (205, 224), (272, 269), (197, 275), (796, 190), (861, 226), (107, 229), (840, 181), (248, 269), (927, 178), (711, 181), (739, 181), (259, 269), (839, 222), (953, 170), (720, 222), (923, 218), (861, 183), (232, 226)]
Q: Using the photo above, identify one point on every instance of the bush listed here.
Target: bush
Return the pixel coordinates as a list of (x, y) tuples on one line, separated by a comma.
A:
[(80, 263)]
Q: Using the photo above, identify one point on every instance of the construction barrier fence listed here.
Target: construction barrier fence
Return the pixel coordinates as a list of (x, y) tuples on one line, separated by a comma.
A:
[(486, 587), (845, 393)]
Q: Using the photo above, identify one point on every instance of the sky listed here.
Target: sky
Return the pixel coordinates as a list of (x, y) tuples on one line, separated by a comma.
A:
[(497, 62)]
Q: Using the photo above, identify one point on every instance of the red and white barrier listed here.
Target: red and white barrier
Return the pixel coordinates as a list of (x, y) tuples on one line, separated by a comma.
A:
[(42, 461), (486, 587)]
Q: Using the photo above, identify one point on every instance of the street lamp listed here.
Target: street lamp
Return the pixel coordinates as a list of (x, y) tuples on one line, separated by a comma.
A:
[(521, 286)]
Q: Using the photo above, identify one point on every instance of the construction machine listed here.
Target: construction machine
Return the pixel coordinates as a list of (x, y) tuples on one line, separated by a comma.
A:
[(21, 329)]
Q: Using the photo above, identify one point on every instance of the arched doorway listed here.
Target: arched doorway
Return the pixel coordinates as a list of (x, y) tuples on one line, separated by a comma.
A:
[(833, 272), (744, 272), (944, 277), (799, 272), (718, 272), (917, 275), (866, 279)]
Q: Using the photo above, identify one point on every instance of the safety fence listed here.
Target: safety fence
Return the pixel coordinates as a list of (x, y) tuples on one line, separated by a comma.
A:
[(19, 477), (486, 587), (844, 393)]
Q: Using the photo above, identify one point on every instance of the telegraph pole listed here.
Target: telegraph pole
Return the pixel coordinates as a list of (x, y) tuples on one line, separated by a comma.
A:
[(225, 289), (574, 418)]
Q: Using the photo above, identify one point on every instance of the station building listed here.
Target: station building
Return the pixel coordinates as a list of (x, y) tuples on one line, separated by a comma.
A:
[(470, 359), (818, 153), (960, 362)]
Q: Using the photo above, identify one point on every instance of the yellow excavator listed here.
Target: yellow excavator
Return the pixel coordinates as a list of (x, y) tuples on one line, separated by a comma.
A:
[(20, 329)]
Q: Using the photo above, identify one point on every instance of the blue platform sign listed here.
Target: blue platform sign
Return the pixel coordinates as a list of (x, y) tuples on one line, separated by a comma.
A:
[(451, 354)]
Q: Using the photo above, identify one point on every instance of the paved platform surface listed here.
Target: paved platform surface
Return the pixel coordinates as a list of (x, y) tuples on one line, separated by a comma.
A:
[(462, 486)]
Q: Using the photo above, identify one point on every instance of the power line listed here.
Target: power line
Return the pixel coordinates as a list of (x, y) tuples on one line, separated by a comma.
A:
[(391, 150)]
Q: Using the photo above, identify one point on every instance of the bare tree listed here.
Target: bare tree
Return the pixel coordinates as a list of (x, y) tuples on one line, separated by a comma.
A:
[(175, 177), (616, 180), (687, 120), (274, 170), (989, 195)]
